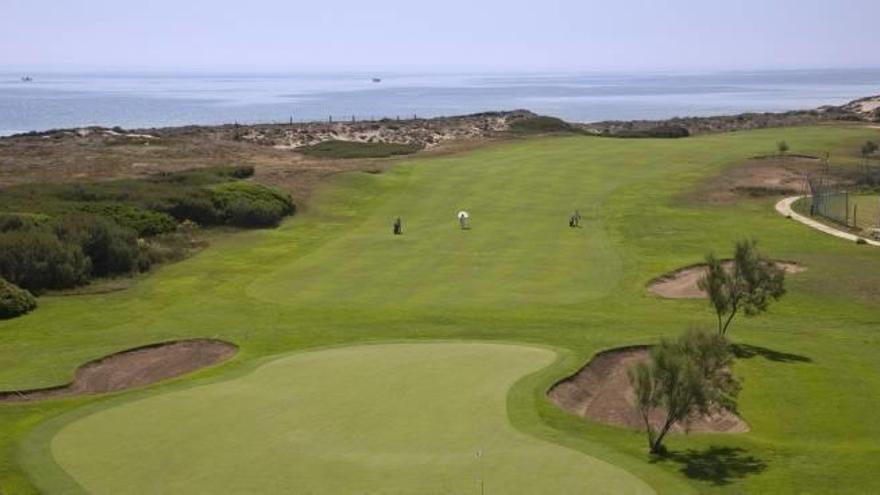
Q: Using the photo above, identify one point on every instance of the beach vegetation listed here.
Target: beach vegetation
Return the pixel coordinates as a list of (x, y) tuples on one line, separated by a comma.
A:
[(354, 149), (540, 124)]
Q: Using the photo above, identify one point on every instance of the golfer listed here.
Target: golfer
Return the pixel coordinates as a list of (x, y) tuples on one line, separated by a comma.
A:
[(463, 220)]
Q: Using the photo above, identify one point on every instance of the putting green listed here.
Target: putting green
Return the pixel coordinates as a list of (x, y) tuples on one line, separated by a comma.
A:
[(392, 418)]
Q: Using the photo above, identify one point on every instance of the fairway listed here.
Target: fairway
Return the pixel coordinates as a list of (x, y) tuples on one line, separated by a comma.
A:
[(398, 418), (519, 240)]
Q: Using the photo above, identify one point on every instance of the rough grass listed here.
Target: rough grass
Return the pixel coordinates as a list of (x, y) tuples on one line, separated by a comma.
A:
[(353, 149), (336, 275)]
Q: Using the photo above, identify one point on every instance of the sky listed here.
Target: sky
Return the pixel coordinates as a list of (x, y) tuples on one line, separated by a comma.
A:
[(480, 35)]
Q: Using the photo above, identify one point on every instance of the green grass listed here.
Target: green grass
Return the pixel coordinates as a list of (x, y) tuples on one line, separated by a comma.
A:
[(866, 210), (335, 275), (863, 208), (354, 149), (301, 424)]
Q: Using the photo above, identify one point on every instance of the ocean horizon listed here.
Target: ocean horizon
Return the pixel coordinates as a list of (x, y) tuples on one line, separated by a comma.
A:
[(143, 100)]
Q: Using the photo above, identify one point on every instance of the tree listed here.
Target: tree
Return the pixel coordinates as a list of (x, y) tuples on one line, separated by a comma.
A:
[(782, 147), (748, 284), (683, 378)]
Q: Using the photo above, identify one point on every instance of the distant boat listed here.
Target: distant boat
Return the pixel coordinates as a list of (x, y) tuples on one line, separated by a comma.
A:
[(376, 80), (27, 79)]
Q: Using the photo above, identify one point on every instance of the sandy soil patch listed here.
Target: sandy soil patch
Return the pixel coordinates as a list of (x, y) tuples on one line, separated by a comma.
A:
[(134, 368), (757, 177), (869, 105), (601, 391), (682, 283)]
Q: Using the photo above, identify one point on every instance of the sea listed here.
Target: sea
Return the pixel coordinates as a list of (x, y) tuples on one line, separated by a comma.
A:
[(157, 99)]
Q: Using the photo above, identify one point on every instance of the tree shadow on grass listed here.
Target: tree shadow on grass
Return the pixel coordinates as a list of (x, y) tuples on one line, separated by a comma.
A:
[(746, 351), (717, 465)]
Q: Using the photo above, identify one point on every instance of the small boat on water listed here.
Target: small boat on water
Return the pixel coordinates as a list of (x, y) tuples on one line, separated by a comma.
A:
[(27, 79), (377, 80)]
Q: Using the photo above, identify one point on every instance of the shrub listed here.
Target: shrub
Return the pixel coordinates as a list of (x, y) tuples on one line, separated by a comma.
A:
[(94, 192), (111, 248), (196, 206), (354, 149), (244, 204), (663, 132), (202, 176), (539, 125), (20, 221), (143, 221), (164, 248), (241, 171), (37, 260), (148, 206), (246, 213), (14, 301)]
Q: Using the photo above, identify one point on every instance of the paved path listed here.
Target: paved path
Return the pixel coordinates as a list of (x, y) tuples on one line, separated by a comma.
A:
[(784, 208)]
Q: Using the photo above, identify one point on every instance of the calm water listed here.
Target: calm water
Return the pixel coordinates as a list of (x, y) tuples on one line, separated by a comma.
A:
[(148, 100)]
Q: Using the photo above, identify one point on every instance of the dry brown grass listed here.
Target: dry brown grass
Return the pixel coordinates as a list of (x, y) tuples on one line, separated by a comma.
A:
[(69, 157), (756, 177)]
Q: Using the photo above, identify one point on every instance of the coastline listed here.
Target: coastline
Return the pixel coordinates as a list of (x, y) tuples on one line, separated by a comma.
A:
[(428, 132), (144, 100)]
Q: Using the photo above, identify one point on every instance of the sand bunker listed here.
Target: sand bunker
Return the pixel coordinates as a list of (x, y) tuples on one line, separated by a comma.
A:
[(601, 391), (134, 368), (682, 283)]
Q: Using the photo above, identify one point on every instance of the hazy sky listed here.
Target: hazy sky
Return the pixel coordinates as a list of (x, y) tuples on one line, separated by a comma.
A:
[(290, 35)]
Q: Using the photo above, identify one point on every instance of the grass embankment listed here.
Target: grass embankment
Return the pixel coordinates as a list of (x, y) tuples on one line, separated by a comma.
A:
[(354, 149), (336, 275)]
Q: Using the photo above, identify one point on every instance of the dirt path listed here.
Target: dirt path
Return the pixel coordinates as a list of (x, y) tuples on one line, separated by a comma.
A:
[(601, 391), (134, 368), (682, 283), (785, 209)]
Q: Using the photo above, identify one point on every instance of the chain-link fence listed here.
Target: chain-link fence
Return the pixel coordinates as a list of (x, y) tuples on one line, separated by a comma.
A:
[(857, 210), (833, 205)]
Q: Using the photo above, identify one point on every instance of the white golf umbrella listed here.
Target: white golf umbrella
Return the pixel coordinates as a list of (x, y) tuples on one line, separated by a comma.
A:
[(462, 214)]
